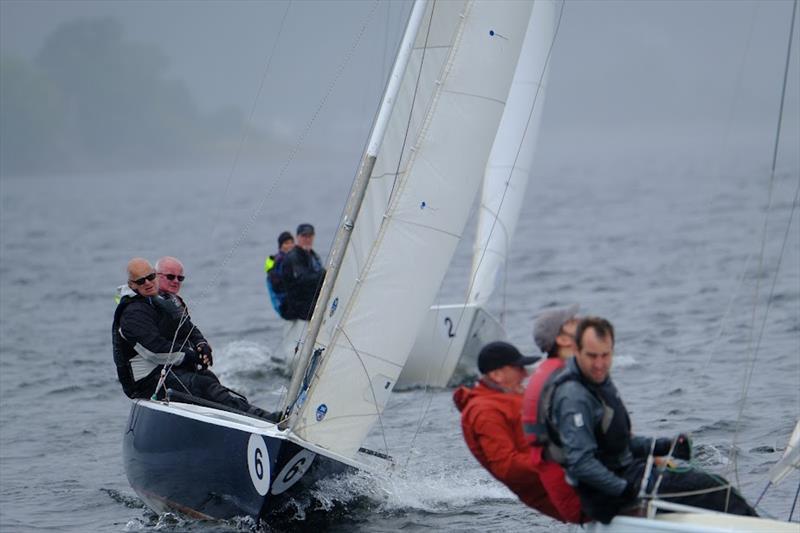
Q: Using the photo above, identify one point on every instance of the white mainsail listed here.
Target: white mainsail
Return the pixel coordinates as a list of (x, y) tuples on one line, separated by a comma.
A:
[(427, 173), (512, 156)]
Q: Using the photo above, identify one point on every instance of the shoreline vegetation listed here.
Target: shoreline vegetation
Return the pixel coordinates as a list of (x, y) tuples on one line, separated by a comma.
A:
[(91, 100)]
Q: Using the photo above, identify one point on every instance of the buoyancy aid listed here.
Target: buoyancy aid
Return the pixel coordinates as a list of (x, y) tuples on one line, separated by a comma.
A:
[(137, 368), (273, 270), (535, 428), (612, 434), (123, 350)]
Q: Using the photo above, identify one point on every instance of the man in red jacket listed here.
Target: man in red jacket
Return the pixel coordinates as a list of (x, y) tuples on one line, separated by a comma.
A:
[(554, 334), (491, 421)]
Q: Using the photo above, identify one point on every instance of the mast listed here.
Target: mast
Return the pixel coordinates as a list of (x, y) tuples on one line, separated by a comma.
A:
[(355, 199)]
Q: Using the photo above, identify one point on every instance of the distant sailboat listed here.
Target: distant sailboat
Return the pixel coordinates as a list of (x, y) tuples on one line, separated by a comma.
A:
[(447, 344), (405, 215)]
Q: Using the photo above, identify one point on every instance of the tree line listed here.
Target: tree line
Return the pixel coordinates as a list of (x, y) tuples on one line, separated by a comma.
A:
[(90, 100)]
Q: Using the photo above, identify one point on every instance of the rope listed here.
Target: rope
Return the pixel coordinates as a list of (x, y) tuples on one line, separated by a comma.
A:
[(796, 494), (292, 154), (491, 230), (371, 389), (717, 172), (413, 102), (763, 492), (402, 152), (749, 370), (726, 486), (668, 459), (245, 129)]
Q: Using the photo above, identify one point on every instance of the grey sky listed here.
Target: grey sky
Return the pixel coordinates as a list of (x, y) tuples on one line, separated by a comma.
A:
[(673, 67)]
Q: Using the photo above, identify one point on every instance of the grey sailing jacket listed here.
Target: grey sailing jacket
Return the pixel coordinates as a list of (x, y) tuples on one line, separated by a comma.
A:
[(577, 414)]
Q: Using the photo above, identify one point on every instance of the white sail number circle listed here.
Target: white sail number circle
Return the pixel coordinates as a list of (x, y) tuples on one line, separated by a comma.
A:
[(293, 471), (258, 463)]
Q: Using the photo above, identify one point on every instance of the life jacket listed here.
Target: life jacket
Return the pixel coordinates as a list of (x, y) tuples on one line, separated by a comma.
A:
[(273, 268), (612, 434), (123, 350), (137, 368), (535, 428)]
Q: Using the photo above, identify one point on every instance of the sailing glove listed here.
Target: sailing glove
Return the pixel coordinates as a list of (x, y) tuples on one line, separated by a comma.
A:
[(204, 351), (683, 447), (191, 359)]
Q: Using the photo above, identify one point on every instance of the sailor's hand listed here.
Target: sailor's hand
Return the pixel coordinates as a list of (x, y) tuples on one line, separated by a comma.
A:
[(192, 359), (683, 447), (204, 350)]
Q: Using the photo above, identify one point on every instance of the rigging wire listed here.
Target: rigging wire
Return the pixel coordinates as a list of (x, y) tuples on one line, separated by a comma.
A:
[(298, 145), (749, 370), (738, 84), (247, 125), (717, 172), (427, 388), (299, 142), (408, 125), (240, 147), (413, 103)]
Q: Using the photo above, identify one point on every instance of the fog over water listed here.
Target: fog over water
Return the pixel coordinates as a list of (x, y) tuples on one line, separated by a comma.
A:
[(649, 203), (675, 74)]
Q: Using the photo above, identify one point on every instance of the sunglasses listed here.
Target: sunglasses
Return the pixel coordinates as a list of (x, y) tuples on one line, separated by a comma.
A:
[(142, 281), (172, 277)]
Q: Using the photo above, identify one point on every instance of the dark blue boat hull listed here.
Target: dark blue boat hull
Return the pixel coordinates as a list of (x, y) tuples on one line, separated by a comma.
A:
[(206, 467)]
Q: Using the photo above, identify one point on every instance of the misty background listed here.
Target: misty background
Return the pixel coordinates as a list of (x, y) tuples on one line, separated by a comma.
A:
[(90, 86)]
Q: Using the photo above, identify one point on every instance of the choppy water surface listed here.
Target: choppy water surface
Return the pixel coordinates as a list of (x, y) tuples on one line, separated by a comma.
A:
[(669, 252)]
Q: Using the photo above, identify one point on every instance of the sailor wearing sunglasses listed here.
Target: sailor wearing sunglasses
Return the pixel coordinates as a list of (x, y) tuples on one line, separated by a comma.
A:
[(151, 333), (170, 278)]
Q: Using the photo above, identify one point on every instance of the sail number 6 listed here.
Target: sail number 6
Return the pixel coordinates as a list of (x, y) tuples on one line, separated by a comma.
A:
[(293, 470), (258, 463)]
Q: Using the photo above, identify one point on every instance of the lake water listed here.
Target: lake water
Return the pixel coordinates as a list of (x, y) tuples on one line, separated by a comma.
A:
[(668, 248)]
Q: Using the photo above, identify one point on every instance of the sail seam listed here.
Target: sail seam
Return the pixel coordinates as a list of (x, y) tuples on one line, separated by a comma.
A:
[(478, 96)]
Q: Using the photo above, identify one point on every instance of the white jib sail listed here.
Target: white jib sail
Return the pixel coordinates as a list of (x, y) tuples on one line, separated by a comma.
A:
[(512, 155), (426, 176)]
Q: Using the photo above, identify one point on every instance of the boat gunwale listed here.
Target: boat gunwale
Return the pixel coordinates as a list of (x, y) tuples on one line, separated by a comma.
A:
[(244, 423)]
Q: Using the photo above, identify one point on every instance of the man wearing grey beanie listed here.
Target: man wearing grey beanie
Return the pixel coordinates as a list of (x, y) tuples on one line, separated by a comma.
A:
[(554, 334)]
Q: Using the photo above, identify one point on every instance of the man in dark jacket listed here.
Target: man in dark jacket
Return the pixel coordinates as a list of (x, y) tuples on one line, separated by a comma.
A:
[(170, 280), (592, 438), (151, 333), (491, 422), (302, 276)]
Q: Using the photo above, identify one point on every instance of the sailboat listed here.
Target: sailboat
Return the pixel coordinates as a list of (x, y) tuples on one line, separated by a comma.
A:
[(405, 214), (446, 350)]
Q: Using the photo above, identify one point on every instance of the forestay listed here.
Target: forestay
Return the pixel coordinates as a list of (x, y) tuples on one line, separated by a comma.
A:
[(419, 196), (512, 156)]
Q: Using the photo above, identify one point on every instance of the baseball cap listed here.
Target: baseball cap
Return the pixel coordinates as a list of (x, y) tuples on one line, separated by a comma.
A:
[(499, 354), (548, 323), (305, 229)]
